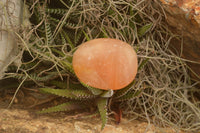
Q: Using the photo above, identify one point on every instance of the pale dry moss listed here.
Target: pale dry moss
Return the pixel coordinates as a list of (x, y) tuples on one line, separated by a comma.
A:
[(167, 98)]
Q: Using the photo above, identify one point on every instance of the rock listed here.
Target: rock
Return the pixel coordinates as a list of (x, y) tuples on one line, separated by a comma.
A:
[(11, 12), (183, 18), (105, 63)]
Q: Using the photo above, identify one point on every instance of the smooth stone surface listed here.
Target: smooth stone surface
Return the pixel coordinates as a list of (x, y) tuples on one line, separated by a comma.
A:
[(105, 63)]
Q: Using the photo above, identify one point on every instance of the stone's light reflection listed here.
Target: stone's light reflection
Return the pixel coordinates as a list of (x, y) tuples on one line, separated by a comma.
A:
[(105, 63)]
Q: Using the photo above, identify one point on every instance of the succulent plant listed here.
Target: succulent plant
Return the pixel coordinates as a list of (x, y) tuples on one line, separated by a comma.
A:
[(162, 88), (49, 46), (82, 93)]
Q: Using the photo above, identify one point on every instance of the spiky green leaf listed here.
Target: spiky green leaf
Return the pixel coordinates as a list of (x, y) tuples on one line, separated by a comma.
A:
[(144, 29), (70, 93), (69, 106), (86, 36), (58, 11), (143, 63), (67, 65), (68, 39), (35, 77), (84, 94), (123, 91), (128, 96), (59, 84), (58, 52), (48, 32), (94, 91), (62, 39), (105, 34), (102, 107), (107, 93), (66, 85), (65, 24), (59, 92), (78, 37)]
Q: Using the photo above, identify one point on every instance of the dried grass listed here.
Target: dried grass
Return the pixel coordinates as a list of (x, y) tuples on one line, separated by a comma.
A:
[(167, 98)]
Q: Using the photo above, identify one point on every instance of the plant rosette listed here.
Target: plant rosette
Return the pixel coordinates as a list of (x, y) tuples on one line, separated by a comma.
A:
[(103, 66)]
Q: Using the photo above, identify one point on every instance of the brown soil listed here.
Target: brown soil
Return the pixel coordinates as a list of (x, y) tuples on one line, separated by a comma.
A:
[(22, 118)]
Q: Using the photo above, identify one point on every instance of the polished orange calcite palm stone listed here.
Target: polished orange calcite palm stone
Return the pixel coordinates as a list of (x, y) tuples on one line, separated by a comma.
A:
[(105, 63)]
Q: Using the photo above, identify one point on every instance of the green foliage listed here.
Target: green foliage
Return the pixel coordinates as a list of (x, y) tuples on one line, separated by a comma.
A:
[(59, 27), (107, 94), (48, 32), (67, 65), (144, 29), (95, 91), (86, 36), (142, 64), (122, 92), (103, 109), (79, 94), (69, 25), (59, 84), (58, 30), (56, 11), (128, 96), (69, 106), (68, 39)]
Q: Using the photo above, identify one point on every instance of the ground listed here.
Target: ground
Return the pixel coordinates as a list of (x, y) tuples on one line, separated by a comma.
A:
[(22, 118), (23, 121)]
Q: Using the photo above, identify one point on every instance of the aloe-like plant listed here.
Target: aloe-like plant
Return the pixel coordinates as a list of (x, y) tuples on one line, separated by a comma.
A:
[(59, 27), (81, 94), (49, 47)]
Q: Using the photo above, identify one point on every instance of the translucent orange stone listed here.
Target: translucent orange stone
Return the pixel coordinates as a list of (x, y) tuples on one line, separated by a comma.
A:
[(105, 63)]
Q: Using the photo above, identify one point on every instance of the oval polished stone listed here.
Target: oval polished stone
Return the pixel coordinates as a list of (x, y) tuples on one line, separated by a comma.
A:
[(105, 63)]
